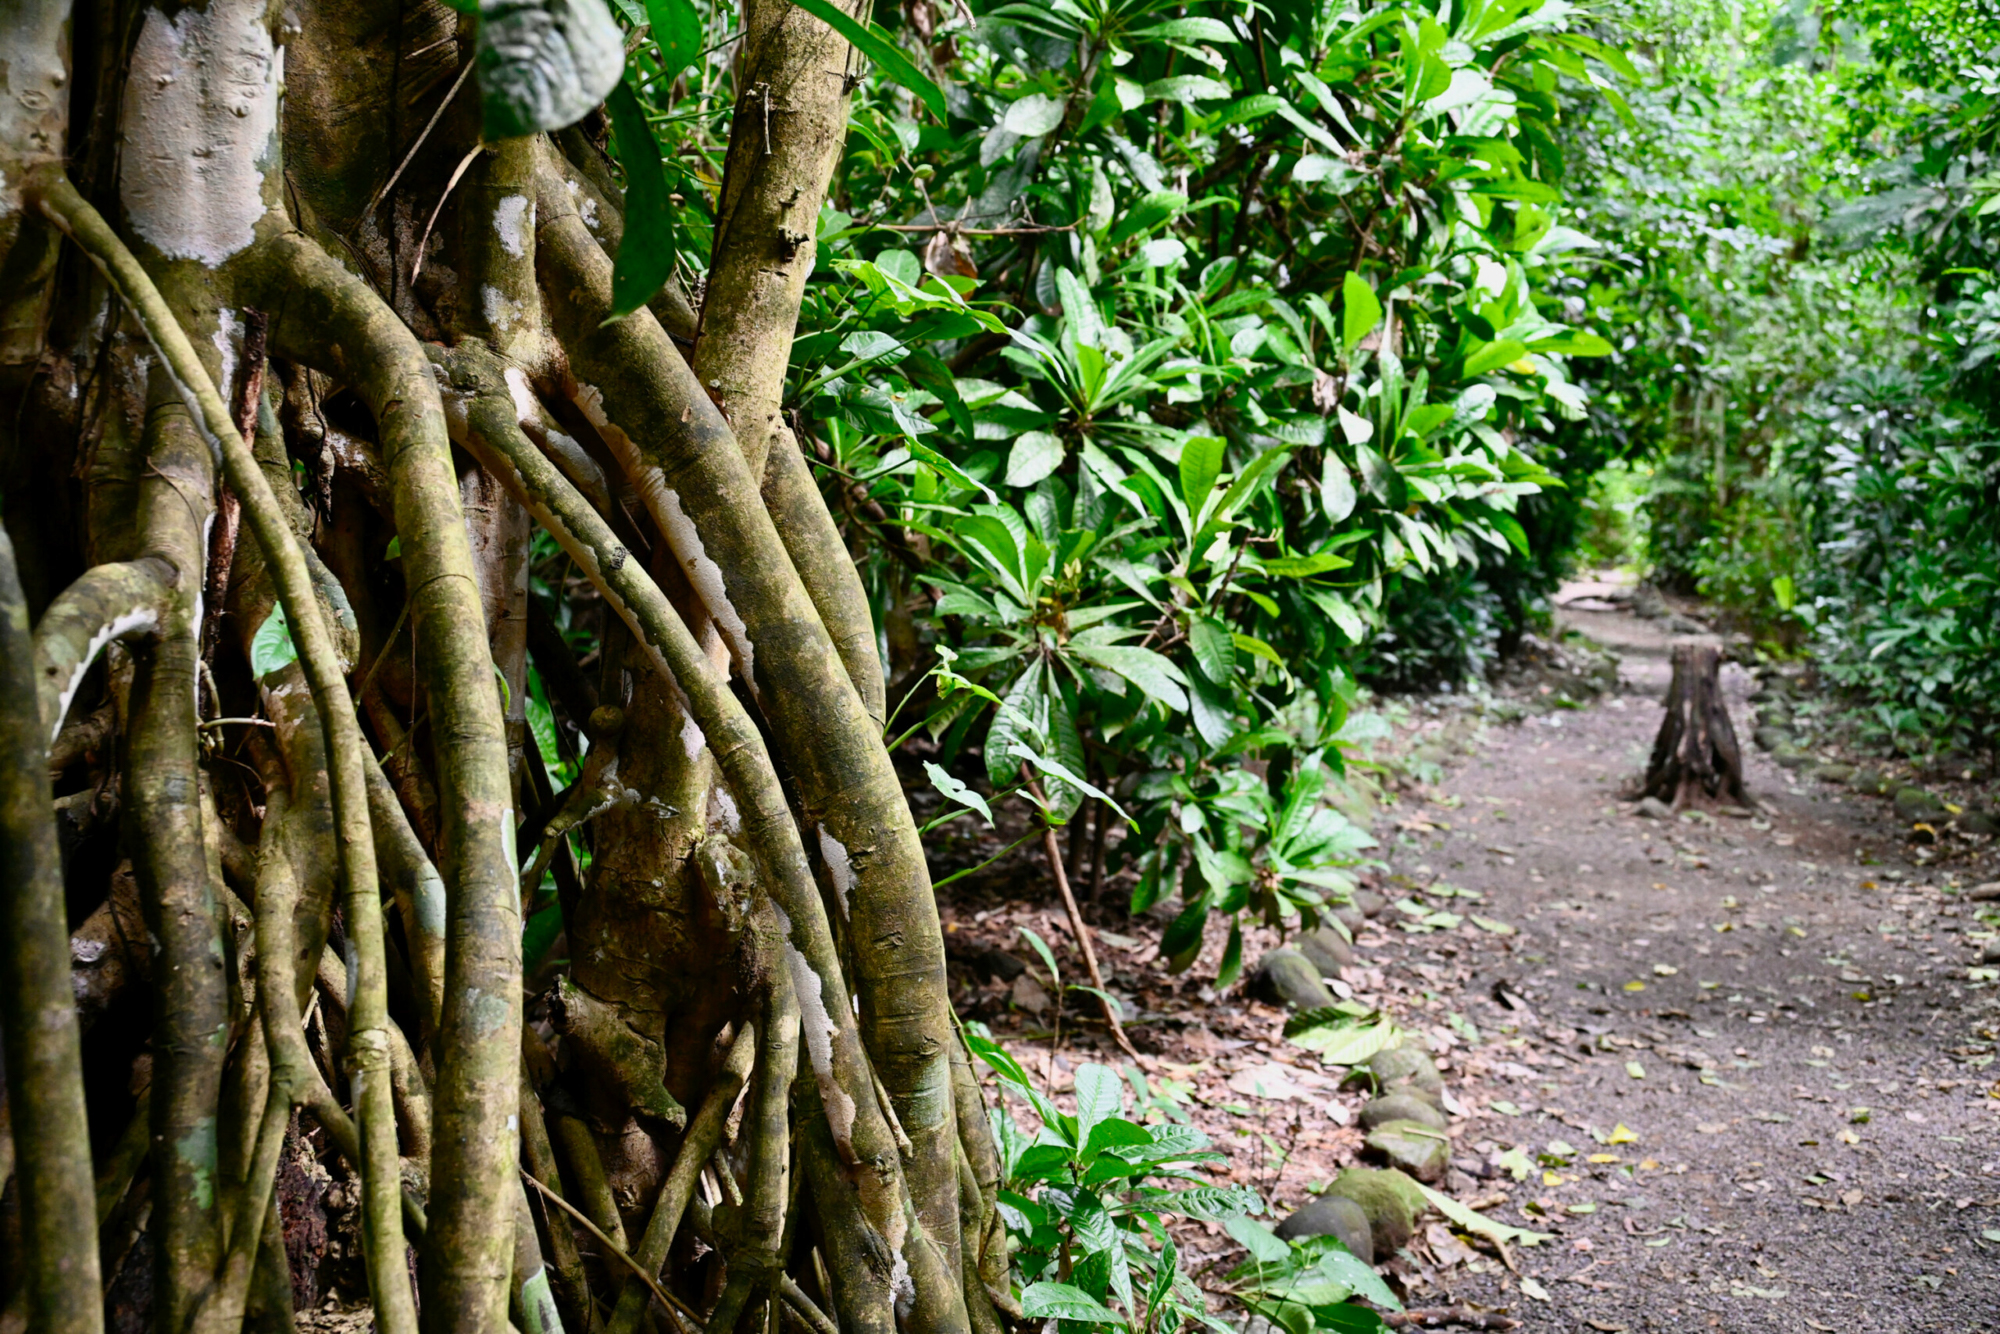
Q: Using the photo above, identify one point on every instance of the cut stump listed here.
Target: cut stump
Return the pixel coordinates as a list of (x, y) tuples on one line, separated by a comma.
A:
[(1696, 749)]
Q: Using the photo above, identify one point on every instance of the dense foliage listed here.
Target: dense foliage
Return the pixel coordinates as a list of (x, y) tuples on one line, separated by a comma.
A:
[(1798, 281), (1197, 363)]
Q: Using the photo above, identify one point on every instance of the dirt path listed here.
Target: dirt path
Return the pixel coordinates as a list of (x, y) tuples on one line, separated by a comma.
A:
[(1781, 1013), (1736, 993)]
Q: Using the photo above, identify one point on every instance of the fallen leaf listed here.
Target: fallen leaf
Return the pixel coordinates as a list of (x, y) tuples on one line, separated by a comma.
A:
[(1530, 1288), (1635, 985), (1621, 1134), (1712, 1128), (1634, 1069), (1665, 969), (1504, 1108)]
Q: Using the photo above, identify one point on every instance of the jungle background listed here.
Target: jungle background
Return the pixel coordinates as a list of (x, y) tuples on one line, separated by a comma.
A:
[(1204, 396)]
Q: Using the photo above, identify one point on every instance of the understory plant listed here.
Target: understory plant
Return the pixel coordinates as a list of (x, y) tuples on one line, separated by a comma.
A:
[(486, 488)]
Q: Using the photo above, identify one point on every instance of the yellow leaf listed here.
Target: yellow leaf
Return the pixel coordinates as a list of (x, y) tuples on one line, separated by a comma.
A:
[(1622, 1134), (1603, 1157), (1635, 985), (1525, 366), (1552, 1178)]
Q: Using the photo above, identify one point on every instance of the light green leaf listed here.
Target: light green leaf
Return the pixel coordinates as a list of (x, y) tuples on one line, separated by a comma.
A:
[(1099, 1097), (1336, 489), (1155, 675), (544, 64), (1201, 464), (271, 647), (1360, 311), (1255, 1238), (875, 44), (957, 791), (1033, 116), (1495, 355), (1034, 456)]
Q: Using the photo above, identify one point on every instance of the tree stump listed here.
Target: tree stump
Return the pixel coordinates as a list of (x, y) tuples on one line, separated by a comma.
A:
[(1696, 747)]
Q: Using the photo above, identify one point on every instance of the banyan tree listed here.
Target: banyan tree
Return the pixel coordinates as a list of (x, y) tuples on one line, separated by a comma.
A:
[(317, 344)]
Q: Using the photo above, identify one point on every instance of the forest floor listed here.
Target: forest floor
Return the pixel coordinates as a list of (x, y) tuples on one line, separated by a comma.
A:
[(1747, 1060)]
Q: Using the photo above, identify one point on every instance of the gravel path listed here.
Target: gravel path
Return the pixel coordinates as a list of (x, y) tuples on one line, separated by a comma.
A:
[(1781, 1010)]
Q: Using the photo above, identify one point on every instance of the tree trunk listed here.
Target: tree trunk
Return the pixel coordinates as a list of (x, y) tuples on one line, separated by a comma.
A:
[(1696, 749)]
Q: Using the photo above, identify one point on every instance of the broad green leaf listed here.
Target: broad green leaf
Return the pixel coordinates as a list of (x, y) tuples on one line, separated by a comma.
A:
[(1495, 355), (957, 791), (544, 64), (875, 44), (1336, 489), (646, 254), (271, 647), (1186, 30), (1034, 456), (1149, 212), (1255, 1238), (1201, 464), (1214, 653), (1033, 116), (677, 30), (1345, 1042), (1061, 1301), (1360, 312), (1099, 1096), (1155, 675)]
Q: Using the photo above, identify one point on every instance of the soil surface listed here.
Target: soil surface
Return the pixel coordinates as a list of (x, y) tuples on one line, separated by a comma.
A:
[(1737, 1067), (1782, 1009)]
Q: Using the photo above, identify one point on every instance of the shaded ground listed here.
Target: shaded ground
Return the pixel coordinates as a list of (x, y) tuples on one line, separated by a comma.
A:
[(1783, 1010)]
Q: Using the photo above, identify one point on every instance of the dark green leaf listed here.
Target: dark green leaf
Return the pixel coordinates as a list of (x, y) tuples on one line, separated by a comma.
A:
[(677, 29), (646, 254)]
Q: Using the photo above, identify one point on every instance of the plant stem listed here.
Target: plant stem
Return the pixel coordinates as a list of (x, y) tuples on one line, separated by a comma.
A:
[(1076, 924)]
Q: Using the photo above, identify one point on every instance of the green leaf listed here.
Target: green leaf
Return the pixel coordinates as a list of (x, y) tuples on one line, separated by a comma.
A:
[(1060, 1301), (1148, 213), (1255, 1238), (1186, 30), (1099, 1096), (1214, 653), (1495, 355), (1034, 456), (544, 64), (957, 791), (1033, 116), (875, 44), (1336, 489), (271, 647), (1201, 464), (1345, 1042), (1360, 311), (677, 30), (646, 255), (1155, 675), (1041, 947)]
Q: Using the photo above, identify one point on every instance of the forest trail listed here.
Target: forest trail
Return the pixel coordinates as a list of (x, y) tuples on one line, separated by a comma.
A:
[(1735, 992)]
